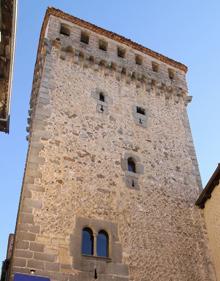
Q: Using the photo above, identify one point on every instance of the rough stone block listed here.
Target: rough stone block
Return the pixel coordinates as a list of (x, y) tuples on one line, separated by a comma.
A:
[(23, 254), (51, 266), (22, 245), (44, 257), (22, 236), (19, 262), (35, 264), (36, 247)]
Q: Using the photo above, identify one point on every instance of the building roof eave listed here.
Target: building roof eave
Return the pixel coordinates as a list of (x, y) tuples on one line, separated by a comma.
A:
[(207, 191)]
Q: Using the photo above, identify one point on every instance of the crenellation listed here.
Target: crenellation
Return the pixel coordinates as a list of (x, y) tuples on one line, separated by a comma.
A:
[(111, 54)]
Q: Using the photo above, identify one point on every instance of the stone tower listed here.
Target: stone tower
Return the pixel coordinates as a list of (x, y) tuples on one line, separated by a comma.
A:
[(110, 163)]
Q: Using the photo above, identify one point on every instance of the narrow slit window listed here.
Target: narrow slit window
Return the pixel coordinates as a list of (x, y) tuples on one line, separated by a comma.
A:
[(95, 274), (64, 30), (101, 97), (121, 52), (140, 110), (103, 45), (102, 244), (131, 165), (155, 66), (138, 59), (87, 242), (84, 37)]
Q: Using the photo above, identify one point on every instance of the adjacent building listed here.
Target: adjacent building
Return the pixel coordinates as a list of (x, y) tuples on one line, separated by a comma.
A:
[(209, 201), (8, 10), (111, 175), (6, 263)]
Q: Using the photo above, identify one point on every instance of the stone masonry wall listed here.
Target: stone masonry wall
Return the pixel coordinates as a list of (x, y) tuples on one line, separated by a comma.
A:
[(75, 171)]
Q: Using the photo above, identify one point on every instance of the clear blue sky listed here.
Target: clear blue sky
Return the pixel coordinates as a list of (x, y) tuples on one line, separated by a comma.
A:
[(187, 31)]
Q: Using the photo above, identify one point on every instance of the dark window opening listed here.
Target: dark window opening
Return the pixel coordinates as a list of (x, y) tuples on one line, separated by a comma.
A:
[(131, 165), (64, 30), (140, 110), (155, 66), (138, 59), (87, 242), (132, 183), (84, 37), (103, 45), (95, 274), (121, 52), (101, 97), (171, 73), (140, 121), (102, 244)]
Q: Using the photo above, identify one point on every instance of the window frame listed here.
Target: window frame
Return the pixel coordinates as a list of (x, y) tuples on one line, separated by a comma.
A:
[(102, 231), (90, 231)]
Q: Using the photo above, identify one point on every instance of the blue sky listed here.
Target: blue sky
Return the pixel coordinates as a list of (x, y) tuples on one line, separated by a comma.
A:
[(187, 31)]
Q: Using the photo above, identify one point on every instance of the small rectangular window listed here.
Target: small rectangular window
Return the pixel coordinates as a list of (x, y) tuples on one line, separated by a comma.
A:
[(121, 52), (101, 97), (171, 73), (103, 45), (140, 110), (64, 30), (84, 37), (138, 59), (155, 66)]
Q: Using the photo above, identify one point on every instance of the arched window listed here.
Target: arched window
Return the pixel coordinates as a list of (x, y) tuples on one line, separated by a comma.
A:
[(87, 241), (101, 97), (131, 165), (102, 244)]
